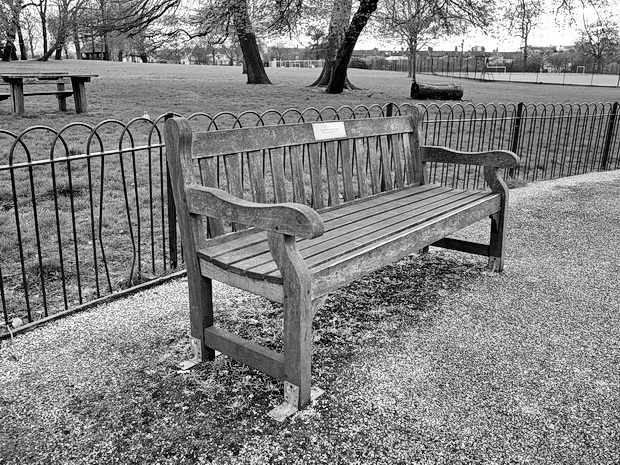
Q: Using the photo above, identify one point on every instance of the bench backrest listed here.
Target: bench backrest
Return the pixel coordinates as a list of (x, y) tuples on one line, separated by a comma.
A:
[(319, 164)]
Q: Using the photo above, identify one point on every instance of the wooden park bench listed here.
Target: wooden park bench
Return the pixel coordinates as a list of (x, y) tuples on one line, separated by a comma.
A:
[(361, 201)]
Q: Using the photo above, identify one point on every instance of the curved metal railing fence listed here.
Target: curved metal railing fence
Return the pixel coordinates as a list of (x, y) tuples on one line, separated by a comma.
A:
[(86, 212)]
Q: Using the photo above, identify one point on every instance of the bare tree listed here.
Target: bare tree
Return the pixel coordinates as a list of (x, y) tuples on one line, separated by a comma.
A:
[(523, 16), (30, 28), (418, 22), (212, 17), (10, 13), (600, 39)]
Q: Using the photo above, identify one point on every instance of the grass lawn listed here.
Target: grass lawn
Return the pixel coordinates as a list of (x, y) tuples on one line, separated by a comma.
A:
[(127, 90), (431, 361)]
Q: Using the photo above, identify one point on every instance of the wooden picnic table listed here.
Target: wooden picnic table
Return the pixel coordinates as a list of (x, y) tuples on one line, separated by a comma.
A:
[(16, 82)]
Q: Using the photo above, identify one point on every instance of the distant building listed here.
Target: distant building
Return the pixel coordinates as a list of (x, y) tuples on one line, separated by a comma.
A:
[(88, 52)]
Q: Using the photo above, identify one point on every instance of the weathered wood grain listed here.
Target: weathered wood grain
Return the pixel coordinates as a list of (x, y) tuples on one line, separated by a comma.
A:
[(216, 143), (296, 254), (178, 136), (298, 313), (335, 274), (297, 174), (257, 177), (495, 158), (347, 170), (289, 218), (248, 352)]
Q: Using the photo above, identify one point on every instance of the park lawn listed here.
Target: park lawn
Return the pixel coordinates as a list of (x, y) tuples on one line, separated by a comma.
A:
[(127, 90)]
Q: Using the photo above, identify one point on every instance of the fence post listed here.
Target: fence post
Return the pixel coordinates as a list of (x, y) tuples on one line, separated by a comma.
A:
[(516, 134), (611, 124), (172, 214)]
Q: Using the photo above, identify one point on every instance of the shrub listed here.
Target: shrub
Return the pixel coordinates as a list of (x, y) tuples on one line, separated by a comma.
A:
[(358, 63)]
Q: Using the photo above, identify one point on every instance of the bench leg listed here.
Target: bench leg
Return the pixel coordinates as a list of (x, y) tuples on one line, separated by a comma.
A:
[(298, 345), (62, 100), (201, 317), (496, 244), (17, 96), (298, 392), (79, 95), (298, 314), (498, 220)]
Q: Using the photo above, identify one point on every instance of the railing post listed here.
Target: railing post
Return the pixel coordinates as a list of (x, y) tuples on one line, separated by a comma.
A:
[(172, 214), (611, 125), (516, 133)]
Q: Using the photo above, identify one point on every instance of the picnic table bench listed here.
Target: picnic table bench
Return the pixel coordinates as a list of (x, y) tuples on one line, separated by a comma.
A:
[(360, 201), (17, 91)]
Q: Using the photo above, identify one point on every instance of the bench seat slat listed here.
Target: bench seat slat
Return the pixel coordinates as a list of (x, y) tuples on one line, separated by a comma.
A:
[(246, 240), (361, 238), (344, 228), (348, 231), (348, 268)]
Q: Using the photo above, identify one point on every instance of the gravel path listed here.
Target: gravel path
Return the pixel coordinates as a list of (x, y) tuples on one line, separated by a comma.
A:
[(430, 361)]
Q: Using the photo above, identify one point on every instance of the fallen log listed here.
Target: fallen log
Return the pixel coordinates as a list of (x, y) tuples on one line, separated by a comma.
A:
[(436, 91)]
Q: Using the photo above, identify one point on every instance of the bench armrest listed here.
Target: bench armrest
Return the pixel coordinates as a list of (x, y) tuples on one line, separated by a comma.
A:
[(494, 158), (289, 218)]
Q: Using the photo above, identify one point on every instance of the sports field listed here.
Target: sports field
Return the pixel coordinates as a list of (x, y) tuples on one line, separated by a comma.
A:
[(568, 79)]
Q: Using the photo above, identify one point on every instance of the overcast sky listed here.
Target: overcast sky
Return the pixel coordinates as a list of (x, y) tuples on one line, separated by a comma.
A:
[(549, 33)]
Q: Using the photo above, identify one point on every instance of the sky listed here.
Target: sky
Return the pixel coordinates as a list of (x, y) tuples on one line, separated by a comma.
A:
[(549, 33)]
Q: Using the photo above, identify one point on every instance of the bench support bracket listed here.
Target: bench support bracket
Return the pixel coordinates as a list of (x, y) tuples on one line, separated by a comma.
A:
[(196, 345), (291, 401)]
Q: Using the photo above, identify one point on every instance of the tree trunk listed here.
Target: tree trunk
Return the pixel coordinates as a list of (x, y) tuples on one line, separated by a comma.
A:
[(436, 91), (525, 54), (413, 56), (9, 47), (249, 46), (43, 16), (76, 42), (56, 50), (341, 13), (361, 17), (22, 44), (9, 50), (107, 54)]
